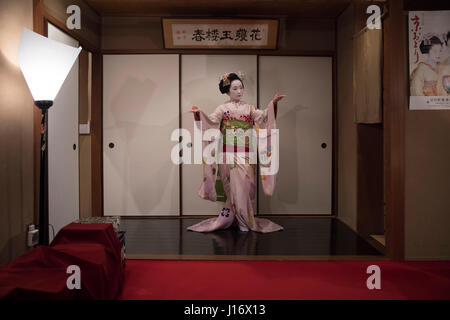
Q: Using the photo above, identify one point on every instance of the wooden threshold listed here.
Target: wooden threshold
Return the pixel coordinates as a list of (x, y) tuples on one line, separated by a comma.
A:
[(253, 257)]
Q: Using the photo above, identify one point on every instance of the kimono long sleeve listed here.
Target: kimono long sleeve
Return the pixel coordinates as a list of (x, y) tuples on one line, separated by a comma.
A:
[(259, 115), (217, 115), (444, 71), (268, 152), (417, 82), (207, 188)]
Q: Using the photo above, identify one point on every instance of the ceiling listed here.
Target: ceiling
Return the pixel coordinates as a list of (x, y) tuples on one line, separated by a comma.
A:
[(199, 8)]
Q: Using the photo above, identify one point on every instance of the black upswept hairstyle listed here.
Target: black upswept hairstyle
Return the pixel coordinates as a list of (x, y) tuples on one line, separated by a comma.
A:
[(425, 45), (224, 84)]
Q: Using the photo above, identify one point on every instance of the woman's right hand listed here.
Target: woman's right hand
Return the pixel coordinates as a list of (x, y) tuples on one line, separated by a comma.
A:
[(194, 109)]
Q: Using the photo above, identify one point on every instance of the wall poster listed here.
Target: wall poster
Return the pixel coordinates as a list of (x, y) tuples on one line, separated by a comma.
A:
[(429, 52)]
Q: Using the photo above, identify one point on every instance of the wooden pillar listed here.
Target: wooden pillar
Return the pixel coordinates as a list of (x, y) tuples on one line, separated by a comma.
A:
[(369, 207), (97, 135), (395, 97), (38, 27)]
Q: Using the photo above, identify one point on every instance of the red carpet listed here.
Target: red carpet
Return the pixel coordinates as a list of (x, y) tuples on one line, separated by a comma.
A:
[(283, 280)]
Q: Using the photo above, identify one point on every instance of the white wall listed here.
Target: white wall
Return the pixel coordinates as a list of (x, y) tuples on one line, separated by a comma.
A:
[(16, 133)]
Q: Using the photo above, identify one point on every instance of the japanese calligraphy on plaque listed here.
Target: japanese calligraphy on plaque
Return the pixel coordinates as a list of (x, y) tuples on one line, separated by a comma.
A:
[(220, 33), (429, 59)]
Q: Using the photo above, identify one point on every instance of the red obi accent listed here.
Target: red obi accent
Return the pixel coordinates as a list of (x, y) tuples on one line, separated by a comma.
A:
[(429, 88), (231, 148), (241, 118)]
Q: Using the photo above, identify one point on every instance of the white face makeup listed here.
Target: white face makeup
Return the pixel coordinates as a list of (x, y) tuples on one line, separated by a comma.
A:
[(236, 90), (435, 53)]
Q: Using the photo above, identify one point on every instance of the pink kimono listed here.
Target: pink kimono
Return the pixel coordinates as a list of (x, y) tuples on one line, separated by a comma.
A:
[(238, 179)]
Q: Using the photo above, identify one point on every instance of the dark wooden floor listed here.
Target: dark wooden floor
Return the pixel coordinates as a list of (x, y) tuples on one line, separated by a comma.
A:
[(303, 238)]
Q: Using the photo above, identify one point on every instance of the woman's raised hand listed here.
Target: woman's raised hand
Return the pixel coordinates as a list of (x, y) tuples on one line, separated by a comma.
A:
[(194, 109), (278, 97)]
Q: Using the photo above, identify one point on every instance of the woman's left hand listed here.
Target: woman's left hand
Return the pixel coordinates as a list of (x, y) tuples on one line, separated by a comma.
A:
[(278, 97)]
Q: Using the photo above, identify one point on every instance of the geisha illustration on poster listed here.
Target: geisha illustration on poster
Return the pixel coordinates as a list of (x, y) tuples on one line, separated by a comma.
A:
[(429, 55)]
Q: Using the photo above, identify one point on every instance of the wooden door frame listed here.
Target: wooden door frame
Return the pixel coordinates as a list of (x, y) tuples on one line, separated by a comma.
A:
[(394, 97), (41, 18), (97, 144), (395, 105)]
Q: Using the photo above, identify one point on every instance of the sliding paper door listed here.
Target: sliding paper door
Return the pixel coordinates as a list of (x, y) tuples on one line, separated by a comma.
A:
[(63, 167), (305, 129), (200, 86), (140, 111)]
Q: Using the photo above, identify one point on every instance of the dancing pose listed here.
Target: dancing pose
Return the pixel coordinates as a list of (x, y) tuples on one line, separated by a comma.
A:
[(237, 178), (443, 83), (423, 80)]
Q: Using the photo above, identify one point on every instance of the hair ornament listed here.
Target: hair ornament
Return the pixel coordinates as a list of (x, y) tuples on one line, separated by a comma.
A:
[(241, 75), (226, 80)]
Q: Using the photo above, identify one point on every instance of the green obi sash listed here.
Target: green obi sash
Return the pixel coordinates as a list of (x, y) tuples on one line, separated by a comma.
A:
[(227, 140), (234, 125)]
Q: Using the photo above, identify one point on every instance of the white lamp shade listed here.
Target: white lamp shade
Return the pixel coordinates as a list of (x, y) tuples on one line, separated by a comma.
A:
[(45, 64)]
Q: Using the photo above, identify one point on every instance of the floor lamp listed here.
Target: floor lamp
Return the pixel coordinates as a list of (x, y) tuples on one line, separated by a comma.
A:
[(45, 64)]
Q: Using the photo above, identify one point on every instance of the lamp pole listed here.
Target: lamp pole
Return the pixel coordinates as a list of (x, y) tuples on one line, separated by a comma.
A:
[(44, 105)]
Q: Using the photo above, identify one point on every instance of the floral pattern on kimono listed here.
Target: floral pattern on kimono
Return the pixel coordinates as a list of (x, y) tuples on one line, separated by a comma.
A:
[(423, 80), (238, 179), (443, 75)]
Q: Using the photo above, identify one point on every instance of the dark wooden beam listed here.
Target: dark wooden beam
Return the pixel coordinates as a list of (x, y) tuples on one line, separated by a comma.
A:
[(421, 5), (369, 206), (279, 52), (97, 135), (207, 8), (395, 98), (38, 27)]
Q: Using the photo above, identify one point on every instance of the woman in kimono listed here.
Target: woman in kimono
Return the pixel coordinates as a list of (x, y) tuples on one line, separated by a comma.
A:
[(238, 179), (423, 81), (443, 83)]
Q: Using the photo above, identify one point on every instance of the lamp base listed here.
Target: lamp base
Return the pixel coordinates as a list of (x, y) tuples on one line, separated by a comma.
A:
[(43, 104)]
